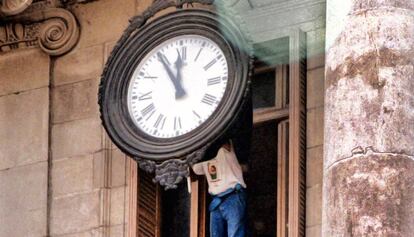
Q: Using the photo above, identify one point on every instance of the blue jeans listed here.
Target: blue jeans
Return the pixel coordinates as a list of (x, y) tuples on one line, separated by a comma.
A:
[(229, 218)]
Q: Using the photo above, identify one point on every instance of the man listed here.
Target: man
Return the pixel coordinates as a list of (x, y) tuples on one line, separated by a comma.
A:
[(227, 187)]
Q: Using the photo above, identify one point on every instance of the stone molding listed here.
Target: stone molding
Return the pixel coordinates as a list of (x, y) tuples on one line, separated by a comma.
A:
[(14, 7), (43, 24)]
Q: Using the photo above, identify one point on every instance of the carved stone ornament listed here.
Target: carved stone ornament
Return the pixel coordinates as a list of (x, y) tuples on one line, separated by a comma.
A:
[(171, 172), (170, 157), (14, 7), (43, 24)]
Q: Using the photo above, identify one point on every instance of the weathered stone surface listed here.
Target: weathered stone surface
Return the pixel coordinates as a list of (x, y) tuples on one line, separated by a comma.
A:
[(97, 232), (376, 115), (369, 107), (117, 230), (79, 65), (369, 70), (141, 5), (314, 231), (75, 213), (118, 168), (76, 138), (314, 127), (99, 169), (75, 101), (24, 128), (314, 205), (72, 175), (314, 166), (315, 88), (369, 41), (23, 201), (117, 205), (98, 26), (370, 195), (364, 5), (23, 70)]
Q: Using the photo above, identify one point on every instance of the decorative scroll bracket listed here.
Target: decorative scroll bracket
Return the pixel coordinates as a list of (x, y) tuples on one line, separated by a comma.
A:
[(43, 24), (171, 172)]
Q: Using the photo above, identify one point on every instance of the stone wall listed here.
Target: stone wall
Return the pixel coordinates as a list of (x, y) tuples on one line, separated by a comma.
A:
[(59, 173), (24, 131), (88, 178)]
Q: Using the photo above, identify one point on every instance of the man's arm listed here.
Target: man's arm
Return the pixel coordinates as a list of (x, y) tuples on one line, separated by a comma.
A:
[(198, 168)]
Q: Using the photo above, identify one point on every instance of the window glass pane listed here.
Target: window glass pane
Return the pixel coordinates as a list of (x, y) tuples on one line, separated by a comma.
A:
[(263, 88)]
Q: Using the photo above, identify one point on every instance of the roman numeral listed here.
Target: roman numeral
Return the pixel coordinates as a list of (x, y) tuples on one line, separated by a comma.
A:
[(213, 81), (146, 96), (184, 53), (208, 99), (210, 64), (158, 121), (150, 108), (177, 123), (195, 113), (199, 52), (163, 122)]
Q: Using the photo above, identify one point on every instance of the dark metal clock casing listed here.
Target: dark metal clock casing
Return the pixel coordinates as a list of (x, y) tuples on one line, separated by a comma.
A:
[(115, 107)]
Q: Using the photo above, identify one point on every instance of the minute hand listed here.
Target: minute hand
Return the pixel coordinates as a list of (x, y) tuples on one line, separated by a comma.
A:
[(179, 91)]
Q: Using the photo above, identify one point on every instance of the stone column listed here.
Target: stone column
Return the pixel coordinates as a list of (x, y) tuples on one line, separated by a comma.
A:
[(369, 119)]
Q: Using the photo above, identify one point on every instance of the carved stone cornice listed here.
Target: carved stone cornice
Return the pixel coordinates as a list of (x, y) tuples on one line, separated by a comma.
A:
[(14, 7), (42, 24)]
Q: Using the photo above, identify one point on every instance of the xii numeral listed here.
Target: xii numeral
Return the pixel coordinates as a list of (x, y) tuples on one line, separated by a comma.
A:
[(184, 53)]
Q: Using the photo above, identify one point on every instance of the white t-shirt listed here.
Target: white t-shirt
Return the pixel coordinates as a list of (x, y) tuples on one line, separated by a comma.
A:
[(222, 172)]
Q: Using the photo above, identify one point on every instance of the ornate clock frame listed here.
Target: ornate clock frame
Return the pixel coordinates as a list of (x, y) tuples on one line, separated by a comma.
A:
[(170, 158)]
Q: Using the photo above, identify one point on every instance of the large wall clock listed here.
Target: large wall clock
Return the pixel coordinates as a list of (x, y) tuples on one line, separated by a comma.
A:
[(173, 86)]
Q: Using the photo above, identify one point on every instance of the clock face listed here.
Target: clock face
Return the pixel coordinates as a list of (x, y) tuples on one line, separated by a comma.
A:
[(177, 86)]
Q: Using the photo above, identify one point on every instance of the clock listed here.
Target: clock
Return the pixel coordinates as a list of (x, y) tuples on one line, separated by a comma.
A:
[(173, 86), (177, 86)]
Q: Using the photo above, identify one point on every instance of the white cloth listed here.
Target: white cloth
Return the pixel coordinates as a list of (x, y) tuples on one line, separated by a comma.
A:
[(222, 172)]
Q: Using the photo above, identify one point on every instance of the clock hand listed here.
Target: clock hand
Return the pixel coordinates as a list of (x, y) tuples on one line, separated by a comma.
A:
[(178, 65), (179, 91)]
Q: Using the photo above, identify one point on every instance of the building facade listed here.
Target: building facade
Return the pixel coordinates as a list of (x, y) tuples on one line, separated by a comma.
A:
[(60, 174)]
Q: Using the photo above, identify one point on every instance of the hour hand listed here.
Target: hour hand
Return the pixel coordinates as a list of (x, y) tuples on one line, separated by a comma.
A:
[(179, 91)]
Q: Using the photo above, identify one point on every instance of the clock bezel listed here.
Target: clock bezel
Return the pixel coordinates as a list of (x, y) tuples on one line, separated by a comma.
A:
[(119, 70)]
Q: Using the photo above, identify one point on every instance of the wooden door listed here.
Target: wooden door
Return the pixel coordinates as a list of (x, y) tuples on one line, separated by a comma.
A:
[(148, 207)]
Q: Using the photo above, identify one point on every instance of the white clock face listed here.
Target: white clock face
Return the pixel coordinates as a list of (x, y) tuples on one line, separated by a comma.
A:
[(177, 86)]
